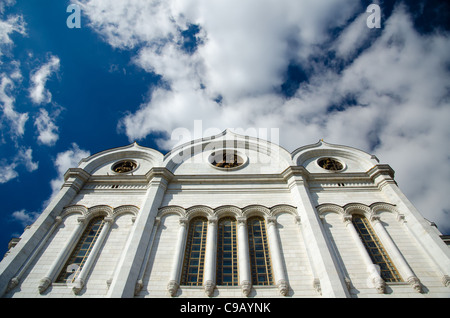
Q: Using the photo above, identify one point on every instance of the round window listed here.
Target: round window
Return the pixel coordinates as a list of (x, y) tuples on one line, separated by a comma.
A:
[(330, 164), (226, 159), (124, 166)]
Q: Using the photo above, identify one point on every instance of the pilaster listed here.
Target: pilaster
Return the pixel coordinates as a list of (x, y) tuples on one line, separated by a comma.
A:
[(331, 282), (132, 259)]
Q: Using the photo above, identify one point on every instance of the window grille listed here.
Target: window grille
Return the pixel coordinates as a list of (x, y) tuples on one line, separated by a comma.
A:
[(80, 253), (194, 257), (260, 264), (375, 249), (227, 253)]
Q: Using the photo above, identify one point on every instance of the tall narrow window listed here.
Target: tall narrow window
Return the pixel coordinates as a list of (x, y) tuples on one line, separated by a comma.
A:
[(227, 253), (194, 257), (260, 263), (80, 253), (375, 249)]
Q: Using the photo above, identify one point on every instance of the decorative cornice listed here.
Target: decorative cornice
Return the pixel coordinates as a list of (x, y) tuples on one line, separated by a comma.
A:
[(161, 172), (75, 178)]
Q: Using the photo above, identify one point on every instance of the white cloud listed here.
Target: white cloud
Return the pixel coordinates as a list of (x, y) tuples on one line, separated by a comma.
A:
[(24, 217), (15, 119), (38, 93), (65, 160), (388, 96), (24, 157), (48, 131), (13, 23), (6, 3)]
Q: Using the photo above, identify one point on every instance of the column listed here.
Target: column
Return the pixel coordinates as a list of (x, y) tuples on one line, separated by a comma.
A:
[(399, 260), (277, 257), (245, 277), (374, 275), (177, 263), (209, 281), (129, 266), (45, 282), (80, 281)]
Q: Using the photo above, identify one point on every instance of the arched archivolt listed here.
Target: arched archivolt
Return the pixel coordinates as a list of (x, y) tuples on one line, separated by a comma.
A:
[(378, 207), (173, 209), (74, 209), (283, 208), (330, 207), (99, 210), (358, 208), (125, 209), (199, 210), (227, 211), (255, 210)]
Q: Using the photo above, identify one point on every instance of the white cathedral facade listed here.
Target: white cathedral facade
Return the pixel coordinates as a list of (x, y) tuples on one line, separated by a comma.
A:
[(229, 216)]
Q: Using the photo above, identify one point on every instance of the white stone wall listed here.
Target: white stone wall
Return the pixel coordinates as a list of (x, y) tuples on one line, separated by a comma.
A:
[(270, 177), (354, 268), (39, 267), (102, 271), (97, 283), (297, 265), (157, 274)]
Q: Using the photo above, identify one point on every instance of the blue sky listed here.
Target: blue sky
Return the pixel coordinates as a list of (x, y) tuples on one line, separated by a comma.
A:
[(138, 70)]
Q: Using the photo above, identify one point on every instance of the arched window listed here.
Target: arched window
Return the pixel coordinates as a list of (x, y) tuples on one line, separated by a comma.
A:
[(194, 257), (80, 253), (260, 263), (375, 249), (227, 253)]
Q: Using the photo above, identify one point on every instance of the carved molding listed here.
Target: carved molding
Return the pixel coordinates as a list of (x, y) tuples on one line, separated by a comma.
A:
[(246, 287), (172, 288), (446, 280), (209, 288), (415, 283), (283, 287), (316, 286), (329, 207), (106, 210), (371, 212), (171, 210), (199, 210), (44, 283), (228, 210), (252, 210), (283, 208)]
